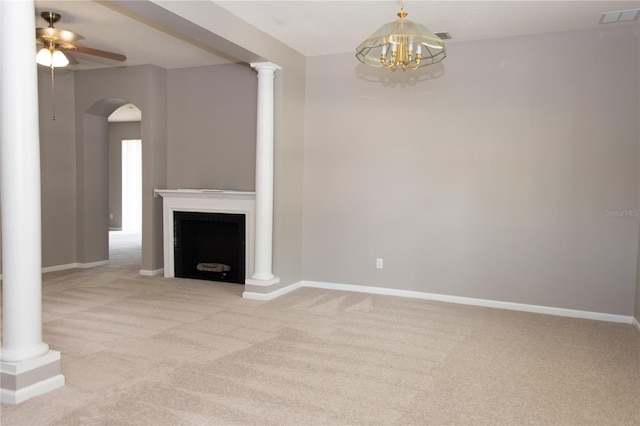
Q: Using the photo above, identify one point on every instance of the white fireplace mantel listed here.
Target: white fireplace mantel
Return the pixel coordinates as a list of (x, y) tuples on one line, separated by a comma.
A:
[(206, 201), (258, 206)]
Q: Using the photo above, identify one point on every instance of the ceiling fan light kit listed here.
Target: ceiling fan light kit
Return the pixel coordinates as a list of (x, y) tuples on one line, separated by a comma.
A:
[(51, 57), (54, 42), (401, 44)]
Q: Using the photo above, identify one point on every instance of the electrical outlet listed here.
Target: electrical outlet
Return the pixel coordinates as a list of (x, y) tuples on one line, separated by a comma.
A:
[(379, 263), (110, 215)]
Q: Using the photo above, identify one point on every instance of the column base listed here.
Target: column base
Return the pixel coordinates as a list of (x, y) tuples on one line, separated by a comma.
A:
[(22, 380), (260, 282), (266, 293)]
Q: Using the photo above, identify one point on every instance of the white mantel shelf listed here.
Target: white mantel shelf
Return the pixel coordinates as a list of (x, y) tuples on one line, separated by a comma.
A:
[(204, 193)]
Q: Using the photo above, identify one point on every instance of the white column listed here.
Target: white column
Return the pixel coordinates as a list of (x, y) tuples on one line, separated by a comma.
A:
[(262, 274), (27, 367)]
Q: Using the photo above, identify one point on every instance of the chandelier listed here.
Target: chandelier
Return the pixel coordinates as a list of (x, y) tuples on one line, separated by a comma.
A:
[(401, 44)]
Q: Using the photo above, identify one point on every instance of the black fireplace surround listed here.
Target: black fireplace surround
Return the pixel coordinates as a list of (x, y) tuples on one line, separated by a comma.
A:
[(209, 246)]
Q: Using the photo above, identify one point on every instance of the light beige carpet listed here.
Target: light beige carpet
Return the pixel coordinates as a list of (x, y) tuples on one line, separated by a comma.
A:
[(155, 351)]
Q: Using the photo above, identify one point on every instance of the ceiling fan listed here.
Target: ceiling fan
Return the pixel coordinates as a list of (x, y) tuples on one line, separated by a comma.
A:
[(53, 42)]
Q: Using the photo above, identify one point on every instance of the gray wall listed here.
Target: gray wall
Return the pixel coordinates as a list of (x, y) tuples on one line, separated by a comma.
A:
[(58, 171), (211, 127), (222, 99), (497, 177), (242, 41), (637, 308), (117, 132), (98, 93)]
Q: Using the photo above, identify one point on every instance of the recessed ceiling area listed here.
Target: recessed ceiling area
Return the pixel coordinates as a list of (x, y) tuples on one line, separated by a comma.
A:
[(127, 112)]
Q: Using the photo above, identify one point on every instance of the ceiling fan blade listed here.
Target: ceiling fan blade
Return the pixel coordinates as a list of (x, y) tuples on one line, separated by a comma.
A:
[(72, 60), (102, 53), (55, 34)]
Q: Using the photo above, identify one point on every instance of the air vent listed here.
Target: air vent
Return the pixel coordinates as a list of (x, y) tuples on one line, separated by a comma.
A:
[(620, 16), (444, 36)]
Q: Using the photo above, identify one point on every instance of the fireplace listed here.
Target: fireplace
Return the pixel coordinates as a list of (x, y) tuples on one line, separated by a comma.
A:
[(208, 234), (209, 246)]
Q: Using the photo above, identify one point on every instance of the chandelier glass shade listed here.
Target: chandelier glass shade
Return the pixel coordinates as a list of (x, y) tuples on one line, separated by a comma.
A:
[(51, 57), (401, 44)]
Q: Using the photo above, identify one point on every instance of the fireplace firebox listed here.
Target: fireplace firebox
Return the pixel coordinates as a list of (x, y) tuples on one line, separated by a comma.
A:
[(209, 246)]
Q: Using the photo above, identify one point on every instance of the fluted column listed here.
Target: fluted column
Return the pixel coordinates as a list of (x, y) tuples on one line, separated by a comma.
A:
[(27, 366), (262, 274)]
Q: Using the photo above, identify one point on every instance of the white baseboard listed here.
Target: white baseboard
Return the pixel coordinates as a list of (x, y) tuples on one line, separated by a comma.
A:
[(56, 268), (152, 273), (599, 316), (93, 264), (636, 324), (145, 272), (64, 267), (270, 296), (59, 267), (74, 265)]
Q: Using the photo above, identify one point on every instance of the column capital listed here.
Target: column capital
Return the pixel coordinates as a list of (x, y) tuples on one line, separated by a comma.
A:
[(265, 66)]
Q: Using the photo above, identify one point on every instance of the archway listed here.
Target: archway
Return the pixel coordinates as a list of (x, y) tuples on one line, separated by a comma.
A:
[(125, 186), (99, 186)]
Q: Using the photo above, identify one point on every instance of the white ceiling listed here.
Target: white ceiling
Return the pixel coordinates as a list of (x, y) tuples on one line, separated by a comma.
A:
[(326, 27), (104, 27), (317, 27)]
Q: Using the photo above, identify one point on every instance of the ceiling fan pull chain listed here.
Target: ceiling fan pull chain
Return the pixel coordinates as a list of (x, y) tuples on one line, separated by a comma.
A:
[(53, 95)]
